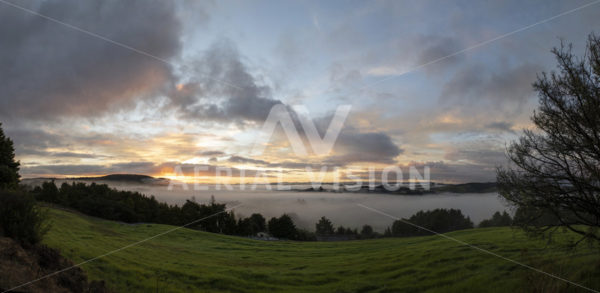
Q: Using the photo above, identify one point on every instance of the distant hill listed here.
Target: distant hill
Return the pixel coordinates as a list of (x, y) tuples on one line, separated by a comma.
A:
[(126, 177), (474, 187), (136, 178)]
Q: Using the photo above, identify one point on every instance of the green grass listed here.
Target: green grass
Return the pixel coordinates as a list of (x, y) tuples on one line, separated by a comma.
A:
[(187, 260)]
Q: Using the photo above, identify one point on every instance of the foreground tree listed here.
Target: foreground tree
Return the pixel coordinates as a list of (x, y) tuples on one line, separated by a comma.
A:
[(20, 218), (9, 168), (554, 178)]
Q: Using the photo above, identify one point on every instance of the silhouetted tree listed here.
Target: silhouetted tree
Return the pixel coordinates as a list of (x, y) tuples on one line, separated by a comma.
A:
[(20, 218), (9, 168), (324, 227), (243, 227), (282, 227), (257, 223), (555, 169), (366, 232), (251, 226)]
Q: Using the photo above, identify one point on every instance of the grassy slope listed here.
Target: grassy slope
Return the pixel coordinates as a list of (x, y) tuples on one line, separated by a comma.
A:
[(188, 260)]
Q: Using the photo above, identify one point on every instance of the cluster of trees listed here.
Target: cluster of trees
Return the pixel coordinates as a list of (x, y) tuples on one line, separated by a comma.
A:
[(284, 228), (497, 220), (438, 221), (324, 227), (101, 201)]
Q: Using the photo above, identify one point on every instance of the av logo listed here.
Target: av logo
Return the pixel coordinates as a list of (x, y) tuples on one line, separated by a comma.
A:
[(320, 146)]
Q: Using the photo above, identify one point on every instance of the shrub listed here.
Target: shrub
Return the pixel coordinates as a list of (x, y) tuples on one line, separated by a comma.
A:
[(20, 218)]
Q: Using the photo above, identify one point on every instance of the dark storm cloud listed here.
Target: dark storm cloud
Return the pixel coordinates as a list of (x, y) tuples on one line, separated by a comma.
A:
[(238, 97), (354, 146), (50, 70)]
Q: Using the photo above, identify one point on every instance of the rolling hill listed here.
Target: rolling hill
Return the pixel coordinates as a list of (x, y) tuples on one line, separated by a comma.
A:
[(187, 260)]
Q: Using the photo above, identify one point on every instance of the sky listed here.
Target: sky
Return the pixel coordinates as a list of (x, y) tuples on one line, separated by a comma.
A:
[(98, 87)]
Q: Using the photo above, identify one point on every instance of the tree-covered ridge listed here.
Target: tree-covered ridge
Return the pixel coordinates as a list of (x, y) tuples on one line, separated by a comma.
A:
[(101, 201)]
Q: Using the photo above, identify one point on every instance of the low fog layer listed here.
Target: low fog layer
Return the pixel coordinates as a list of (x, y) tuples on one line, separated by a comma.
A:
[(307, 207)]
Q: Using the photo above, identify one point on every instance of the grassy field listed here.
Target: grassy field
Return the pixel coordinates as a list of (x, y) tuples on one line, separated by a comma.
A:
[(187, 260)]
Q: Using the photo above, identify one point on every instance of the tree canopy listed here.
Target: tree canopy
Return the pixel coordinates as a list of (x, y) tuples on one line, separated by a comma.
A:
[(554, 176)]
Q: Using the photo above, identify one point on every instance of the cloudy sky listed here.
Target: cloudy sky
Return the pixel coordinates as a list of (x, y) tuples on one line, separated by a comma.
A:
[(98, 87)]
